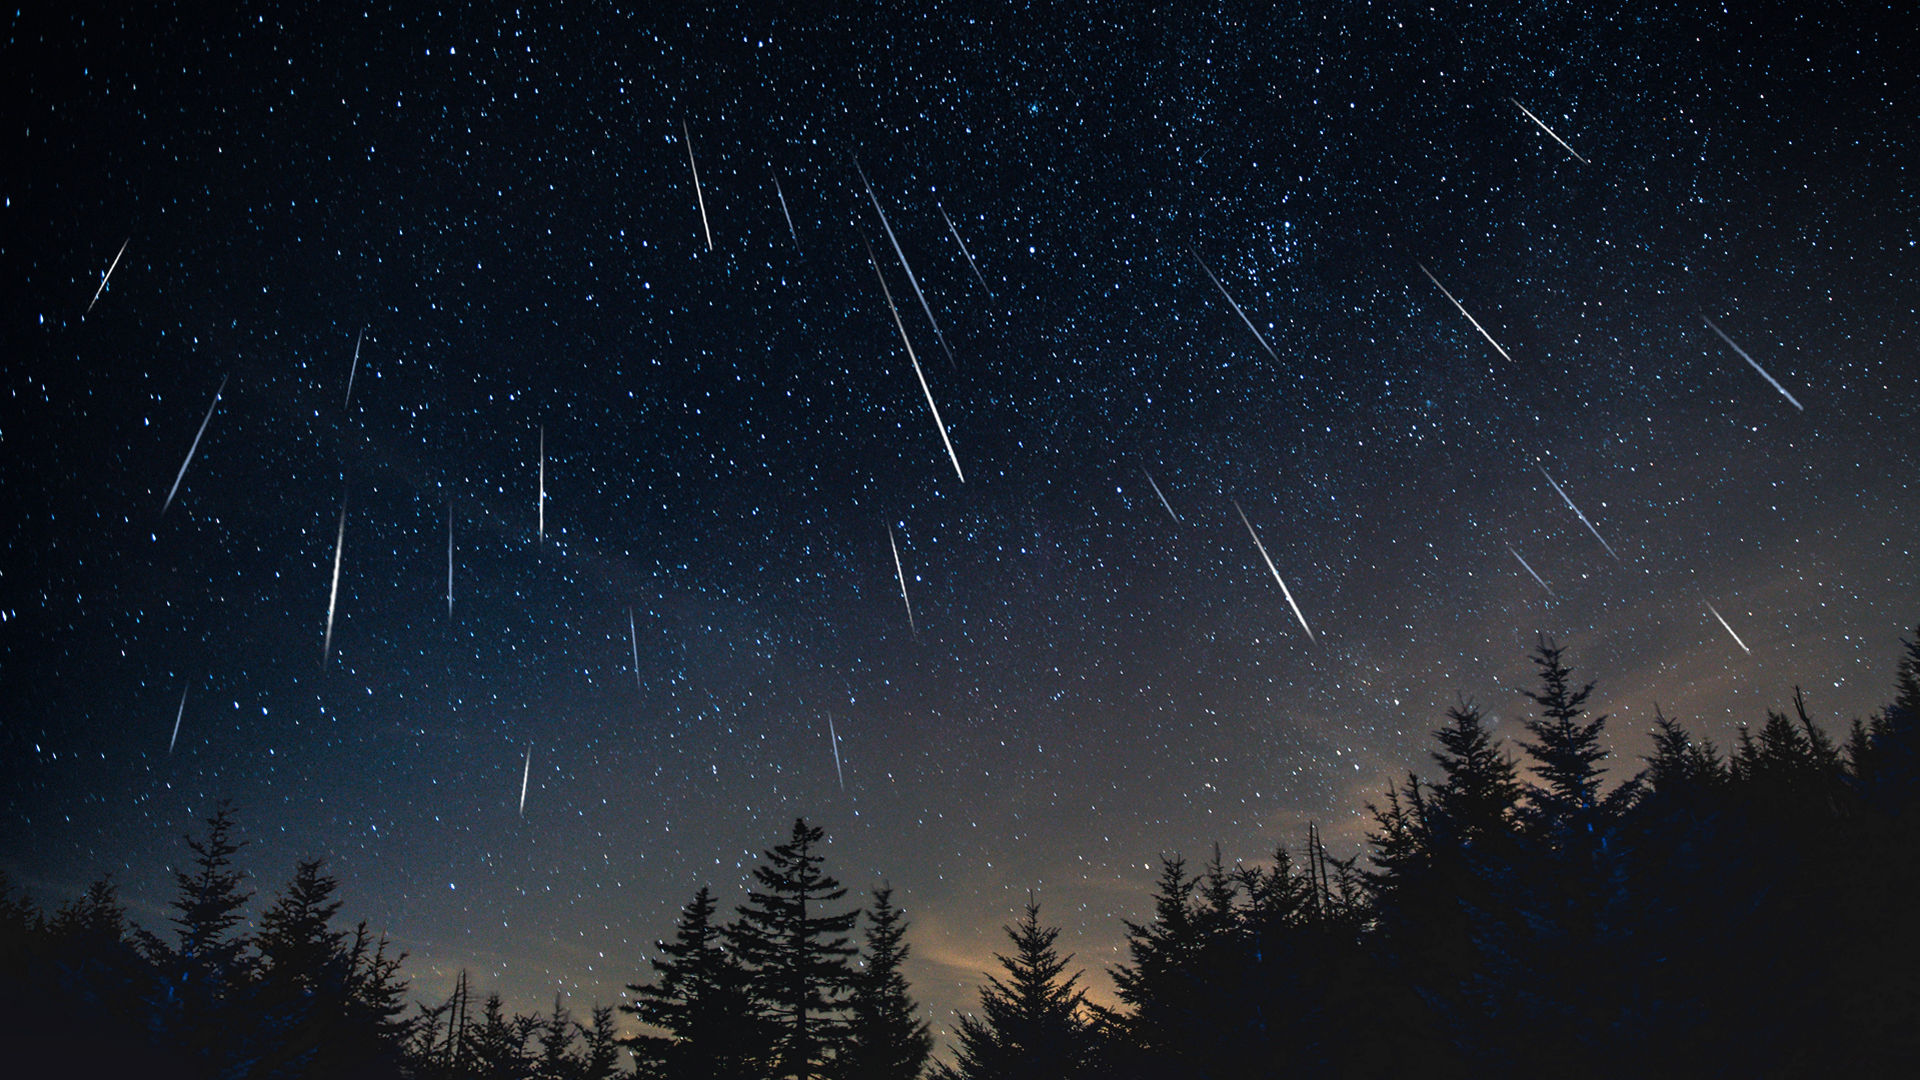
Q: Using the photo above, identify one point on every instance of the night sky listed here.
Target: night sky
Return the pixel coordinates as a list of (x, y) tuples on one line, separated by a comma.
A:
[(498, 215)]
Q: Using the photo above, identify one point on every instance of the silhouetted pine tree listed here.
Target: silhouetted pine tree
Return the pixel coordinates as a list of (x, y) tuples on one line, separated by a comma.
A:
[(886, 1038), (600, 1046), (328, 1001), (1033, 1025), (500, 1042), (196, 1011), (709, 1025), (798, 954)]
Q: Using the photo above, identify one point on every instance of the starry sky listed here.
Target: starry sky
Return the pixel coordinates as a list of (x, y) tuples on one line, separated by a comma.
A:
[(674, 469)]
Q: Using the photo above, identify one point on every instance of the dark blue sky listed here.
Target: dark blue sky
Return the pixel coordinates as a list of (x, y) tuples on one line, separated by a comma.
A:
[(503, 205)]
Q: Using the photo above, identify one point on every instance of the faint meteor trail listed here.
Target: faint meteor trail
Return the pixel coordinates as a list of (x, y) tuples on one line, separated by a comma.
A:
[(1236, 305), (1163, 497), (1754, 364), (525, 772), (1729, 629), (333, 595), (921, 375), (1549, 131), (963, 250), (449, 559), (1463, 311), (835, 740), (633, 636), (783, 210), (1284, 591), (1581, 516), (911, 280), (698, 196), (348, 404), (108, 274), (542, 504), (191, 450), (177, 716), (1536, 577), (902, 575)]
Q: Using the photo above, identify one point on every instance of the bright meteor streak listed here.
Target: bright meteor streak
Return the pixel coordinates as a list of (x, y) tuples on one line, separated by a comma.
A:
[(698, 196), (525, 772), (1236, 305), (918, 374), (1581, 516), (1529, 569), (835, 740), (1463, 311), (191, 450), (1163, 497), (902, 575), (1284, 591), (1755, 364), (1549, 131), (333, 596), (108, 274), (1729, 629), (176, 719)]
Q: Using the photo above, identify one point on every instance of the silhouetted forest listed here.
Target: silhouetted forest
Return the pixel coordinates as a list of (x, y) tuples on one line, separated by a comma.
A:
[(1740, 911)]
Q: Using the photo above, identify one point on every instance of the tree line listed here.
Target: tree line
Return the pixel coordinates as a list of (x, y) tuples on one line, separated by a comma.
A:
[(1738, 911)]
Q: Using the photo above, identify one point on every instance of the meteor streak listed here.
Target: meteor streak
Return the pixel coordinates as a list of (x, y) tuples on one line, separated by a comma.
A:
[(355, 368), (543, 482), (783, 210), (963, 250), (1729, 629), (1581, 516), (1236, 305), (698, 196), (911, 280), (1754, 364), (108, 274), (1463, 311), (902, 575), (1549, 131), (525, 772), (177, 717), (333, 596), (633, 636), (921, 375), (1163, 497), (1536, 577), (191, 450), (1284, 591), (449, 559), (835, 740)]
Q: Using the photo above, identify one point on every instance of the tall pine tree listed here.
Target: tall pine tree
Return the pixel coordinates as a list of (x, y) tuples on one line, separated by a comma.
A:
[(1033, 1025), (798, 953), (886, 1038), (706, 1023)]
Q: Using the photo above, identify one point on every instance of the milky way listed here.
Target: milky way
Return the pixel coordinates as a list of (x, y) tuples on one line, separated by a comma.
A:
[(674, 431)]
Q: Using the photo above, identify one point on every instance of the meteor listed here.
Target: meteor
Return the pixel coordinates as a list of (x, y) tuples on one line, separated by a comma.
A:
[(449, 560), (963, 250), (633, 636), (1754, 364), (921, 375), (1463, 311), (1581, 516), (191, 450), (542, 502), (835, 740), (1163, 497), (1549, 131), (333, 596), (1284, 591), (108, 274), (902, 575), (1729, 629), (1236, 305), (911, 280), (783, 210), (698, 196), (355, 368), (1536, 577), (525, 772), (177, 717)]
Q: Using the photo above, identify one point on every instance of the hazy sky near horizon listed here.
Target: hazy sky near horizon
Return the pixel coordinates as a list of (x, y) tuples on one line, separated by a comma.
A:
[(615, 506)]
